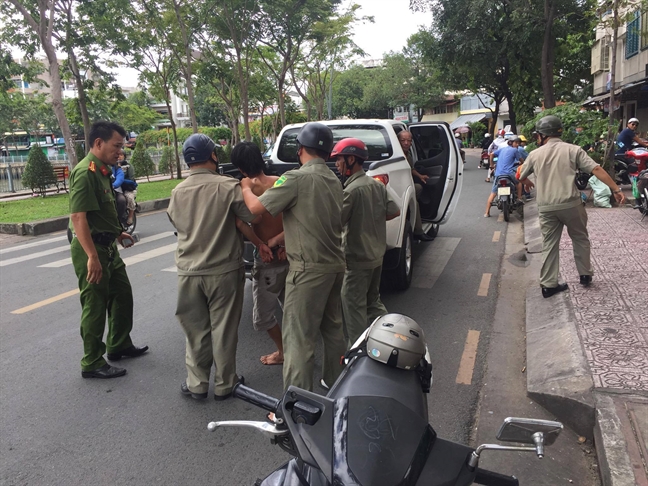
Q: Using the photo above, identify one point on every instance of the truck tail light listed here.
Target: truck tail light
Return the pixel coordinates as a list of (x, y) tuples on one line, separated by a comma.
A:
[(384, 178)]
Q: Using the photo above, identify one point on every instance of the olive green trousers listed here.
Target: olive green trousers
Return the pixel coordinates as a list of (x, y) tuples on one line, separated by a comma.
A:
[(112, 295), (361, 302), (312, 308), (209, 311)]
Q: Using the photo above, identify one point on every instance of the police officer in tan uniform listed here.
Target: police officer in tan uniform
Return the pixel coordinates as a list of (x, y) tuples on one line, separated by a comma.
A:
[(311, 201), (204, 209), (554, 164), (367, 206)]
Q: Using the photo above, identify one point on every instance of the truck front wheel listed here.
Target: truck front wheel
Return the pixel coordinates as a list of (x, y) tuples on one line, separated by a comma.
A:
[(402, 274)]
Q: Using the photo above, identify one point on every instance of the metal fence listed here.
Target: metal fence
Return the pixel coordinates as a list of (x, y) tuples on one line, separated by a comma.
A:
[(13, 166)]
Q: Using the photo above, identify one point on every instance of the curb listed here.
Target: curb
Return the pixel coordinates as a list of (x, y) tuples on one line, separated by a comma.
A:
[(612, 448), (558, 375), (37, 228)]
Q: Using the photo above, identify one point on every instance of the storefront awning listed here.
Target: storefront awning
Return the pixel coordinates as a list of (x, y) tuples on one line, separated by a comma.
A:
[(463, 120)]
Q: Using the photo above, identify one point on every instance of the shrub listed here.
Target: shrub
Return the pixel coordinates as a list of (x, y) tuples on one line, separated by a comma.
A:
[(160, 137), (80, 151), (223, 153), (142, 161), (39, 172), (166, 161)]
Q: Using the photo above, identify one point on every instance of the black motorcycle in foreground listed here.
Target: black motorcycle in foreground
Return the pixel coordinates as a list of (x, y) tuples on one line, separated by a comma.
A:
[(372, 428), (642, 186)]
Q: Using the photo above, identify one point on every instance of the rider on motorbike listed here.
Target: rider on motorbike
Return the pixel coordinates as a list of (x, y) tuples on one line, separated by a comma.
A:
[(628, 136), (498, 143), (508, 158)]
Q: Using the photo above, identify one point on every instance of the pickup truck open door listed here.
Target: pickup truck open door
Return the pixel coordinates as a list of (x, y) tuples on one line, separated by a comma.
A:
[(437, 156)]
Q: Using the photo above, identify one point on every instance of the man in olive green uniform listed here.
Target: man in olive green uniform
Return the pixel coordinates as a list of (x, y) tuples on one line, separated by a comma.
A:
[(559, 204), (211, 276), (367, 206), (311, 201), (103, 282)]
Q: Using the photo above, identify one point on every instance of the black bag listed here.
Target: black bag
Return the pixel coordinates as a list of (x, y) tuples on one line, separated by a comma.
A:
[(581, 180), (129, 185)]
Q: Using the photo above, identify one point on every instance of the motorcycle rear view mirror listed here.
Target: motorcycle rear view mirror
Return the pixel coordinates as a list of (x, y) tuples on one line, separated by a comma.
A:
[(524, 430)]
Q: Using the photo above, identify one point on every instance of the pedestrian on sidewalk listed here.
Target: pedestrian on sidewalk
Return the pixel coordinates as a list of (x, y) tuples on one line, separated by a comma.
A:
[(204, 209), (555, 164), (103, 282), (366, 209)]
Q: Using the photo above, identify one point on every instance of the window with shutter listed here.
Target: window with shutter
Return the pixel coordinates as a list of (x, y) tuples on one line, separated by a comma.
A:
[(632, 37)]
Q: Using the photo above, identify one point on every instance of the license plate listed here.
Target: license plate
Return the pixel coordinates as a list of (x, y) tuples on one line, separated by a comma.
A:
[(503, 191)]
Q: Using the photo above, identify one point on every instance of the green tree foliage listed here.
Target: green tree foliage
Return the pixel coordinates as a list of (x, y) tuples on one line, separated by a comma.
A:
[(80, 151), (581, 127), (142, 161), (161, 137), (39, 172)]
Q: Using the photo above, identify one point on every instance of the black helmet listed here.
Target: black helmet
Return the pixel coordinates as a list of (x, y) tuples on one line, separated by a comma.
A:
[(198, 148), (550, 125), (316, 136)]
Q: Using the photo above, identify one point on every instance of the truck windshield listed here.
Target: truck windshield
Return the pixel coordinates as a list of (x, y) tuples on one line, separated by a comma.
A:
[(374, 136)]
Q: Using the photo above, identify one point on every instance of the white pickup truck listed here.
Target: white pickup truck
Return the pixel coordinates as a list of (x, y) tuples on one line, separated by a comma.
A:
[(435, 154)]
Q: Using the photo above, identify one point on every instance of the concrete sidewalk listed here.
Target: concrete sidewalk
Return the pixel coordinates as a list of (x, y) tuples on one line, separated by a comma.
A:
[(587, 349)]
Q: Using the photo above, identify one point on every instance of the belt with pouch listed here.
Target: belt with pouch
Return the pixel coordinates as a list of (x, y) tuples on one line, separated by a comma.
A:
[(104, 239)]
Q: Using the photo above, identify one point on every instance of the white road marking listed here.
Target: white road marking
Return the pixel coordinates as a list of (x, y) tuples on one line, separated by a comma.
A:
[(132, 260), (430, 265), (148, 239), (496, 236), (173, 269), (32, 245), (32, 256)]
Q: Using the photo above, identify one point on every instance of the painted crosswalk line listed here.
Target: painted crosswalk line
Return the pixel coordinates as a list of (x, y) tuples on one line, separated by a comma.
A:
[(33, 244)]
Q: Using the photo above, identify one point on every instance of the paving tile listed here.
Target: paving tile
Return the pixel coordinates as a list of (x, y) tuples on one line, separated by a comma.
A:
[(612, 314)]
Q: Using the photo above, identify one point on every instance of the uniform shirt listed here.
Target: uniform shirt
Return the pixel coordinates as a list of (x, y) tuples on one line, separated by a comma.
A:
[(311, 201), (624, 140), (555, 165), (507, 158), (203, 210), (364, 214), (91, 193)]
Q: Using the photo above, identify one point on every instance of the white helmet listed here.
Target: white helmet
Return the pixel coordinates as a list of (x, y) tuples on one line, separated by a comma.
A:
[(487, 135), (633, 120), (457, 134), (396, 340)]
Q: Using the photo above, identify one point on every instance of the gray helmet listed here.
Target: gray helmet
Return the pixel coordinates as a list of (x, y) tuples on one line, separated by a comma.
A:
[(198, 148), (396, 340), (514, 138), (550, 125), (316, 136)]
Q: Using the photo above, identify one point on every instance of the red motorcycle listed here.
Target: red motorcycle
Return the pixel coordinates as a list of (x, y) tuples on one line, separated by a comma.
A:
[(483, 161)]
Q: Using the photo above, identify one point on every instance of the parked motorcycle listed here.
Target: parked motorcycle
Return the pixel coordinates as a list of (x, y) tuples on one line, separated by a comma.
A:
[(642, 186), (122, 214), (506, 200), (372, 427), (624, 168), (483, 160)]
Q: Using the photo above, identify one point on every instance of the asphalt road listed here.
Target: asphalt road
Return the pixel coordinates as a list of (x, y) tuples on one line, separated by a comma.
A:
[(57, 428)]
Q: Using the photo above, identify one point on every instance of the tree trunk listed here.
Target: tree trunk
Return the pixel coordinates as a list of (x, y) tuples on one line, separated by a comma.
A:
[(83, 103), (512, 114), (548, 55), (187, 68), (175, 136)]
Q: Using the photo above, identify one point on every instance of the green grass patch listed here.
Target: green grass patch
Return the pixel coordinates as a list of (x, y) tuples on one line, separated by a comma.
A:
[(37, 208)]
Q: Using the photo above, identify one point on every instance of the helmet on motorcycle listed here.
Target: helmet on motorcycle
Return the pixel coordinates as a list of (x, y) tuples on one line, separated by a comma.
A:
[(457, 134), (550, 125), (487, 135), (501, 133), (522, 138), (514, 138), (351, 146), (633, 120), (396, 340), (316, 136), (198, 148)]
